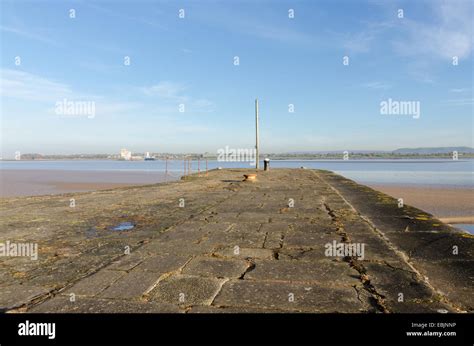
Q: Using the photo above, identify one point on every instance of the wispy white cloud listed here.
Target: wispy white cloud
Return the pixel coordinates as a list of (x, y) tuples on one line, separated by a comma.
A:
[(190, 129), (460, 102), (363, 41), (100, 67), (283, 29), (113, 13), (29, 87), (160, 99), (166, 90), (376, 85), (172, 93), (449, 35), (459, 90), (359, 43), (37, 90), (282, 33), (445, 32), (28, 34)]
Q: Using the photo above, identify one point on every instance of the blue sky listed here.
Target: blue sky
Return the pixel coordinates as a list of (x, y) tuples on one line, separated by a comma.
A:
[(190, 61)]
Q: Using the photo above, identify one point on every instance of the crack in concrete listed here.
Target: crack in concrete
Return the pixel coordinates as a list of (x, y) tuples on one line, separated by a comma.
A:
[(406, 259), (402, 255), (250, 266), (146, 295), (377, 298), (222, 283), (378, 301), (358, 294)]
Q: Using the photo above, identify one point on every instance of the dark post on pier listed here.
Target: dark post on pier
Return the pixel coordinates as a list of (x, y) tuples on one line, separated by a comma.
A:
[(266, 164)]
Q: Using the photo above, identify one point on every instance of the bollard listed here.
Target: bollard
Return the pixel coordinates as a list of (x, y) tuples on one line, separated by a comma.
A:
[(266, 164)]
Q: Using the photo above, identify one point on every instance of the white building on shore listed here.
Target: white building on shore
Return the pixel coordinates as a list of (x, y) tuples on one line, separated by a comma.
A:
[(125, 154)]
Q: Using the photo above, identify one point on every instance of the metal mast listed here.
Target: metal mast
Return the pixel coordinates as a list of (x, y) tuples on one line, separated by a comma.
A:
[(256, 135)]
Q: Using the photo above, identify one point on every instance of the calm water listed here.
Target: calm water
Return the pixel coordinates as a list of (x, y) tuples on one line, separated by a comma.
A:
[(465, 226), (404, 172), (446, 173)]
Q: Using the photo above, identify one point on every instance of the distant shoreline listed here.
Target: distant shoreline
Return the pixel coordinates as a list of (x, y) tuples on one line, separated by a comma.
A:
[(322, 159), (458, 152)]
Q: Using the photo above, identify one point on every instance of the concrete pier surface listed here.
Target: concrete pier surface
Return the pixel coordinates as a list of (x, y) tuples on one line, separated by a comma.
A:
[(294, 240)]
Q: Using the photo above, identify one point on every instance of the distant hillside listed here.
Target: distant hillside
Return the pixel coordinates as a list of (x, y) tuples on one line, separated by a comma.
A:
[(328, 152), (427, 151), (401, 151)]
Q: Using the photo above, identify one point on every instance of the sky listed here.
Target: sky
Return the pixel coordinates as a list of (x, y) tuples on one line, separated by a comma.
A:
[(182, 76)]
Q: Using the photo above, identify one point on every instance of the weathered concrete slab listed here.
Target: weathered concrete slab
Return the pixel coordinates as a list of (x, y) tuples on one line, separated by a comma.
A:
[(204, 309), (302, 254), (235, 238), (96, 283), (217, 267), (132, 285), (164, 263), (303, 240), (17, 295), (128, 262), (288, 297), (315, 227), (234, 247), (325, 272), (245, 253), (453, 279), (247, 227), (186, 290), (395, 283), (273, 241), (435, 246), (63, 304)]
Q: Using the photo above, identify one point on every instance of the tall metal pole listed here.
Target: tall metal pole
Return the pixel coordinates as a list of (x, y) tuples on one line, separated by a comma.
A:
[(256, 134)]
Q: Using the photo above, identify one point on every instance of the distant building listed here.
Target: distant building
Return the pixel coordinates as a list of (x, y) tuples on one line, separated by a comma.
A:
[(125, 154)]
